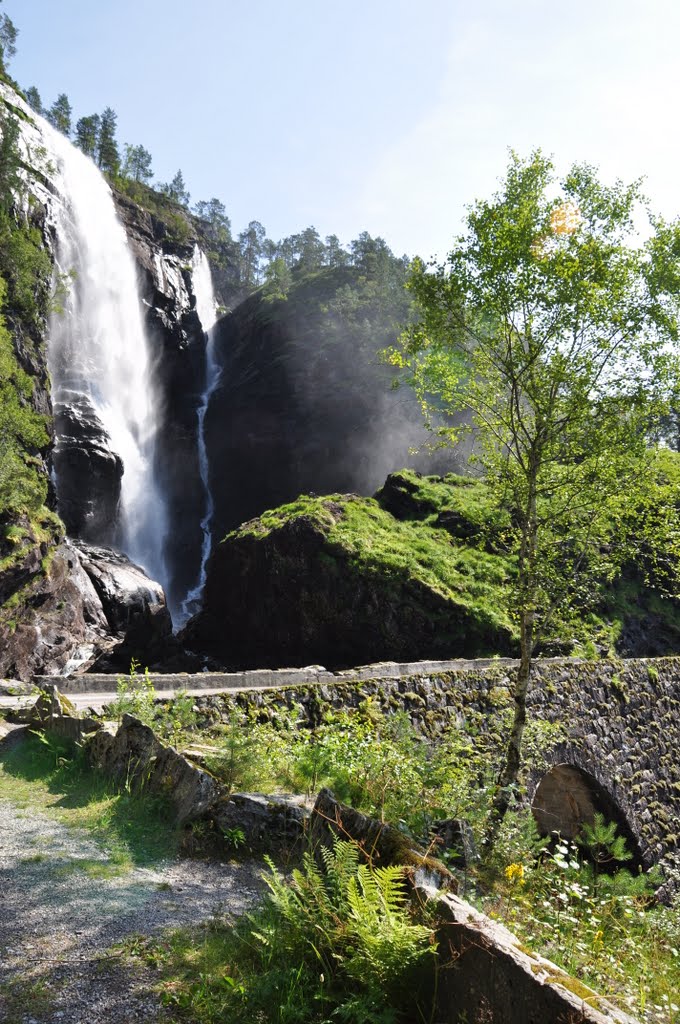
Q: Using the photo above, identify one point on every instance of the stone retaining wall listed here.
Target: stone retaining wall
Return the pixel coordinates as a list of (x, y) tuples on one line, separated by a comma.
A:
[(621, 722), (621, 718)]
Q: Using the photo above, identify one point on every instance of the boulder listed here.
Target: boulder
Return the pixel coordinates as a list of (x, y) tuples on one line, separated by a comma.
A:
[(89, 471), (338, 581), (56, 621), (134, 605), (265, 820), (134, 755)]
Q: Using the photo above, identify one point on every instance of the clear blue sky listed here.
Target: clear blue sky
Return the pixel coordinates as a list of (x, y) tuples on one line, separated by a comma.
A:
[(379, 115)]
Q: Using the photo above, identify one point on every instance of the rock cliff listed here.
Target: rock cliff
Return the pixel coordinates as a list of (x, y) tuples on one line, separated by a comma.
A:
[(304, 402), (55, 611), (163, 253)]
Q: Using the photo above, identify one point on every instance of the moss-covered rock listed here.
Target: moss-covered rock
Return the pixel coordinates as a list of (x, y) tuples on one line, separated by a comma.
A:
[(339, 580), (419, 571)]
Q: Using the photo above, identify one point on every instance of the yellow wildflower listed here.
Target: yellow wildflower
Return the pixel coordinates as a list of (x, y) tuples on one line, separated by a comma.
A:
[(515, 873)]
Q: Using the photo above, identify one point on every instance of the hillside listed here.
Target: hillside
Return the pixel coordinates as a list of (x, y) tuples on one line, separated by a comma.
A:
[(417, 572)]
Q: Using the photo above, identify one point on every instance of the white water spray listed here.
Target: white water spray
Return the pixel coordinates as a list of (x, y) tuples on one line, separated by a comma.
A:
[(98, 347), (206, 307)]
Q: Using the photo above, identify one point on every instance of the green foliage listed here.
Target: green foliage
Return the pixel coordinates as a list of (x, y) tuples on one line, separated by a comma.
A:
[(137, 164), (277, 280), (174, 720), (241, 757), (23, 487), (548, 328), (603, 929), (33, 99), (336, 942), (60, 113), (451, 535), (87, 134), (602, 843), (171, 214), (136, 696), (175, 190), (376, 761), (107, 154), (544, 324), (8, 39), (353, 913), (234, 837)]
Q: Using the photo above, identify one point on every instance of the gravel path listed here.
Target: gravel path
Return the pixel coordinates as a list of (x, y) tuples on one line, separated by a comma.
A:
[(58, 922)]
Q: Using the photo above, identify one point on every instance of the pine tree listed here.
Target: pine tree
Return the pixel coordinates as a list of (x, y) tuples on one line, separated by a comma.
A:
[(108, 157), (59, 114), (33, 100), (87, 134), (8, 39), (214, 213), (336, 256), (137, 163), (251, 246)]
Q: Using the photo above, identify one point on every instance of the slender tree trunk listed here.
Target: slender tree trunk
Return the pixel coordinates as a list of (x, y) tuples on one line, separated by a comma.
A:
[(509, 774)]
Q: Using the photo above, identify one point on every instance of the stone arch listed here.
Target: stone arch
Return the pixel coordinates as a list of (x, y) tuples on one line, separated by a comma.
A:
[(567, 797)]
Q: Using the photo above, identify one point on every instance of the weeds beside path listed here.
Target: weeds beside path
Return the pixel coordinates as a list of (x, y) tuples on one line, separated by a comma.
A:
[(70, 893)]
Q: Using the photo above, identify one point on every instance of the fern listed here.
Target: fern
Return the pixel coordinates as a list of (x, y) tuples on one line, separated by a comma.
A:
[(385, 944), (354, 919), (340, 864)]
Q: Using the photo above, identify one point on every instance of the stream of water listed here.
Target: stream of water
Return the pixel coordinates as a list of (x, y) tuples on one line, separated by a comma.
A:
[(206, 307), (98, 346)]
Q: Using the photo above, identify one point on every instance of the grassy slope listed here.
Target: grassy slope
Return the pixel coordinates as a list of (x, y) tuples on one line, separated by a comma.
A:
[(466, 563), (47, 776)]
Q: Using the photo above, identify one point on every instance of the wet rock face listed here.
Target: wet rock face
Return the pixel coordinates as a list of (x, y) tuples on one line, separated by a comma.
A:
[(304, 405), (178, 354), (80, 606), (58, 618), (89, 471), (133, 604)]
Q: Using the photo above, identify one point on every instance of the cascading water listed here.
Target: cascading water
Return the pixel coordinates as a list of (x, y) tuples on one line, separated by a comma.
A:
[(206, 307), (97, 346)]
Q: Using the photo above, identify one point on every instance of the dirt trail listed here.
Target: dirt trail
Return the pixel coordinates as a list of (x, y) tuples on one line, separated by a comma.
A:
[(58, 921)]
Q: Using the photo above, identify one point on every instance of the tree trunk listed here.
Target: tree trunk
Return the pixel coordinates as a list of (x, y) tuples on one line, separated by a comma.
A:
[(509, 774), (507, 780)]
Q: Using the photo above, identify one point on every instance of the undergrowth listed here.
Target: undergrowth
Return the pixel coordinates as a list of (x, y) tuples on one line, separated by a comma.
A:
[(603, 927), (338, 942)]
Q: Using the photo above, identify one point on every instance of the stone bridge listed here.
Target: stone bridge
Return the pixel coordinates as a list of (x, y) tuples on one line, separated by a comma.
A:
[(617, 751)]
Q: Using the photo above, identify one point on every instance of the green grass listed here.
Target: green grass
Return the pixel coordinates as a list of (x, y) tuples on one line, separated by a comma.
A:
[(133, 828), (23, 1000), (365, 537)]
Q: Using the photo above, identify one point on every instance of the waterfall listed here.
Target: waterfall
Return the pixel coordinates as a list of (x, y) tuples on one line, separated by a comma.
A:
[(97, 352), (206, 307)]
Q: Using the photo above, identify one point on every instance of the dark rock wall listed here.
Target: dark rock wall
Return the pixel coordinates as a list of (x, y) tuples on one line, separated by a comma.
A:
[(304, 405), (88, 470)]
